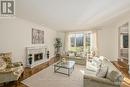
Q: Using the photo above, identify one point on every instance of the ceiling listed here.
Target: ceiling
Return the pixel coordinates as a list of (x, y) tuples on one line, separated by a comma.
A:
[(70, 15)]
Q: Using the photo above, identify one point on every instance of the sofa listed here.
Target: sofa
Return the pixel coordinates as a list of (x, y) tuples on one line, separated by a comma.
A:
[(9, 71), (78, 57), (112, 76)]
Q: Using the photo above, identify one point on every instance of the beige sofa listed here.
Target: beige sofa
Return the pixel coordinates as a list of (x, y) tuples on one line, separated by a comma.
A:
[(92, 80), (78, 57)]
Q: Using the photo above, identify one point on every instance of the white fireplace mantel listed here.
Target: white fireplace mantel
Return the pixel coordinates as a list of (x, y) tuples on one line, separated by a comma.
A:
[(33, 51)]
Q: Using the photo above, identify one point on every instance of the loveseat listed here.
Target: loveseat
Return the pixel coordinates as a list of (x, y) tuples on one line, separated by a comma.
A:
[(112, 78)]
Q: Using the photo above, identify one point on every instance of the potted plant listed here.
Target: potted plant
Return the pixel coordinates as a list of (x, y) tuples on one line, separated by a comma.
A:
[(58, 45)]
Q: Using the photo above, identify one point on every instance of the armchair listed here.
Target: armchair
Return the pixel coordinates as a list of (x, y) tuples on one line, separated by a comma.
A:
[(9, 71)]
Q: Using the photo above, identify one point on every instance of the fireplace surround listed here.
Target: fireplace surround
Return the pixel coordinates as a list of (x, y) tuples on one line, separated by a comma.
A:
[(38, 56)]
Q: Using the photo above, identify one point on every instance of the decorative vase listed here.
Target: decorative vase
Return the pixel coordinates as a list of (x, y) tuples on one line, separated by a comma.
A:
[(30, 59), (47, 54), (63, 60)]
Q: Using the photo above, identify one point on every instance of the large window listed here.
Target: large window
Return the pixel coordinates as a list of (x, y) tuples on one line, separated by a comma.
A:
[(83, 42), (80, 41), (76, 42)]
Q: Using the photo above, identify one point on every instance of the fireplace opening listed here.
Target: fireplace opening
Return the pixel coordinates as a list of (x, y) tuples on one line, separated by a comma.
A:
[(38, 56)]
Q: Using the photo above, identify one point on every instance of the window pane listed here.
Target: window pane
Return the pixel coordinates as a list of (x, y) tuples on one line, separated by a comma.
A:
[(79, 40), (72, 40)]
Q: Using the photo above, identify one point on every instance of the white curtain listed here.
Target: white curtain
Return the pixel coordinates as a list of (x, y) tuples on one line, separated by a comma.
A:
[(66, 41), (94, 42)]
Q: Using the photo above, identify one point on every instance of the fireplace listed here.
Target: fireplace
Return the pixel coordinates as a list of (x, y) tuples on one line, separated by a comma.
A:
[(38, 56)]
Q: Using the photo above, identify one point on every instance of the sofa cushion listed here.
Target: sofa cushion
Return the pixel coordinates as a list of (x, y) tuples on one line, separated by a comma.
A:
[(94, 65), (96, 62), (102, 71), (71, 54), (101, 58), (89, 72), (91, 67)]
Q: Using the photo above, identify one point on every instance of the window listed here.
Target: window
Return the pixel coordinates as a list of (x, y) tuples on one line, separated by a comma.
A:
[(83, 42), (80, 41), (76, 42)]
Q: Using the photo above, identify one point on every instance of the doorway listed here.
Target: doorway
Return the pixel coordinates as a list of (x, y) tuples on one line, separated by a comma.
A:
[(123, 44)]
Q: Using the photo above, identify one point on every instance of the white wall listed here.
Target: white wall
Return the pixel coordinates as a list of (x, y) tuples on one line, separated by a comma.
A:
[(108, 43), (15, 36), (108, 36)]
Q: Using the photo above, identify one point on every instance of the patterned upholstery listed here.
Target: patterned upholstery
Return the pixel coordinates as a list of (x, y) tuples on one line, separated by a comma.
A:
[(9, 71), (7, 59), (2, 64)]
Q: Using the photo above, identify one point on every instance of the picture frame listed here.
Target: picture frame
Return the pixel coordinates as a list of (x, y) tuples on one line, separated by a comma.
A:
[(37, 36)]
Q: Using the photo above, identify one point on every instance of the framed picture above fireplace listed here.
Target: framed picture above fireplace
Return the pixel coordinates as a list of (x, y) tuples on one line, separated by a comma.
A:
[(37, 36)]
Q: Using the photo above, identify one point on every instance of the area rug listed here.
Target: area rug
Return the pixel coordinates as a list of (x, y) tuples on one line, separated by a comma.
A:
[(47, 78)]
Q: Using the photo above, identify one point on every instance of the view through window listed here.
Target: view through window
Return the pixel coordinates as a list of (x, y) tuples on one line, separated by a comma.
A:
[(80, 41)]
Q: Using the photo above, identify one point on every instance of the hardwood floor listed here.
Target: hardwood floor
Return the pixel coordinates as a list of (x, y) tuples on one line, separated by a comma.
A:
[(29, 72), (124, 70)]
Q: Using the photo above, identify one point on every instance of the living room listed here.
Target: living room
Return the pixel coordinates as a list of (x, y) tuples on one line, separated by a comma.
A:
[(40, 34)]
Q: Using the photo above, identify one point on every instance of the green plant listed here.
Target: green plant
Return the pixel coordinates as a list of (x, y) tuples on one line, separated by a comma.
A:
[(57, 44)]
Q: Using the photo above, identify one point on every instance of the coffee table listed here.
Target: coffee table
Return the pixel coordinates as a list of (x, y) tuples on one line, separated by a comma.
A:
[(69, 65)]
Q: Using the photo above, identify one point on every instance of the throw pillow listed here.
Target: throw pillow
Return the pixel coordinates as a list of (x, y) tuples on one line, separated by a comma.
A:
[(7, 59), (2, 64), (71, 54), (115, 76), (78, 54), (96, 62), (101, 57), (102, 72), (9, 65)]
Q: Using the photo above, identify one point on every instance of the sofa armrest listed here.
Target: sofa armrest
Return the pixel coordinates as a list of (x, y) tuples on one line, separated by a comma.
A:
[(99, 80)]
